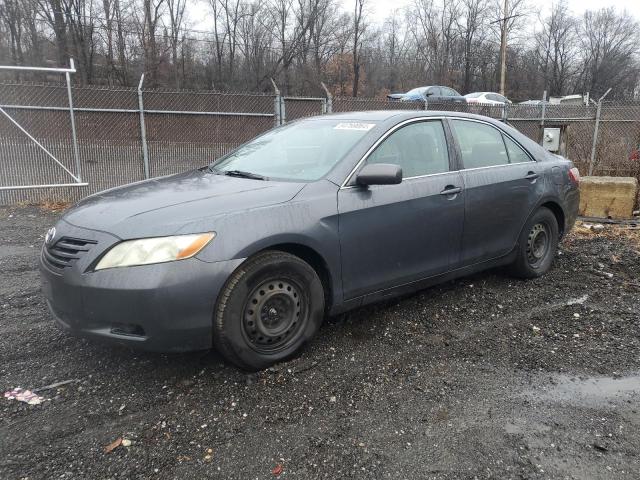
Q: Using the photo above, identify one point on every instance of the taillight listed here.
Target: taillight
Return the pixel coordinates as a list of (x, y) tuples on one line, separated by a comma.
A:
[(574, 175)]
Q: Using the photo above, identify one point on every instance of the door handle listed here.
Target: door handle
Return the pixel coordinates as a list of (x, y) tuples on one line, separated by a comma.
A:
[(531, 176), (450, 190)]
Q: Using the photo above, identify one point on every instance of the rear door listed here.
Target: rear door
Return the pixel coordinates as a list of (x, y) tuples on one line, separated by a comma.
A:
[(452, 96), (392, 235), (502, 186)]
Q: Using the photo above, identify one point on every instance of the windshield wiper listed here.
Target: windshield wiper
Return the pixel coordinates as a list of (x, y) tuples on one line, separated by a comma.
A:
[(243, 174)]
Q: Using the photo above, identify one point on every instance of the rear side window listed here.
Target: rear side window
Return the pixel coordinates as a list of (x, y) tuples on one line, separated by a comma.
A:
[(418, 148), (516, 153), (480, 144)]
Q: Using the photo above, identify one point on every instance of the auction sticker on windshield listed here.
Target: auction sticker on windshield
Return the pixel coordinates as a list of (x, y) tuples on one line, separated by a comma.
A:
[(354, 126)]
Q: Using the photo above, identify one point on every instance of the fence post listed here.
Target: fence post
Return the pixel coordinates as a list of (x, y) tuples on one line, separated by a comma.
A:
[(143, 130), (542, 115), (505, 113), (595, 133), (277, 104), (283, 110), (328, 106), (76, 154)]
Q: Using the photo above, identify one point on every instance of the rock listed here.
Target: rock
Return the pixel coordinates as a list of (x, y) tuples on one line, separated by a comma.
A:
[(598, 227)]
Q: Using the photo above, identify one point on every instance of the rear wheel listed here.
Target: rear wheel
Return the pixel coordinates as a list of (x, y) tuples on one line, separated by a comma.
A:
[(269, 308), (537, 245)]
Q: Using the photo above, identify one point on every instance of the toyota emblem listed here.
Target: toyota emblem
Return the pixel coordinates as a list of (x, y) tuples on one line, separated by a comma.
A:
[(49, 236)]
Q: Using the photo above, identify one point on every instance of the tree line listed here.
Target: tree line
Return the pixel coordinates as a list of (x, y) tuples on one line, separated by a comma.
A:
[(300, 43)]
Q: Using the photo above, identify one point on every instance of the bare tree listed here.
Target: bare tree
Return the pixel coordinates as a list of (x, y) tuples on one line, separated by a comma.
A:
[(393, 49), (610, 45), (292, 25), (302, 42), (176, 9), (255, 32), (326, 33), (80, 21), (148, 28), (471, 24), (556, 49), (109, 20), (359, 28), (12, 16), (219, 34), (54, 14)]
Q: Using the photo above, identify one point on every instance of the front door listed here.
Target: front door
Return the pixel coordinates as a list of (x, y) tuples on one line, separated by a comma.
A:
[(392, 235)]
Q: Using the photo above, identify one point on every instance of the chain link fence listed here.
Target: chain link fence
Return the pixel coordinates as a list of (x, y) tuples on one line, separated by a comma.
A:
[(127, 134), (182, 131)]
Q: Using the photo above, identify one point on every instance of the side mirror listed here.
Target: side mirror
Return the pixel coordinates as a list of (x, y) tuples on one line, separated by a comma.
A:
[(379, 174)]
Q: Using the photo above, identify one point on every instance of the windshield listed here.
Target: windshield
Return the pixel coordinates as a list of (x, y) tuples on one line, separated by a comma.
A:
[(474, 95), (303, 151), (417, 91)]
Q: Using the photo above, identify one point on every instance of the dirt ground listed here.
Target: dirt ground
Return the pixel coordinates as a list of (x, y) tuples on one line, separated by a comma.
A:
[(485, 377)]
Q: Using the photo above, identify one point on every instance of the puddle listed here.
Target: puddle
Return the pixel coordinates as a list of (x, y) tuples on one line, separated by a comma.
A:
[(592, 391)]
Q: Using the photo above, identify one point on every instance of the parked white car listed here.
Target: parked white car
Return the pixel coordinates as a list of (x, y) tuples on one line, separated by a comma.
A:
[(569, 100), (486, 97), (566, 100)]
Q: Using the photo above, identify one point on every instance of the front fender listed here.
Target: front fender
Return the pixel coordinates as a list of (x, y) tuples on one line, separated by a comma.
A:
[(309, 221)]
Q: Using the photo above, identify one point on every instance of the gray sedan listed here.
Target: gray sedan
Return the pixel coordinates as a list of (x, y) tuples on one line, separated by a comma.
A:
[(251, 253)]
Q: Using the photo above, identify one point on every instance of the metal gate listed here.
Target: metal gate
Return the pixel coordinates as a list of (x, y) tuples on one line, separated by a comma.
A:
[(22, 140)]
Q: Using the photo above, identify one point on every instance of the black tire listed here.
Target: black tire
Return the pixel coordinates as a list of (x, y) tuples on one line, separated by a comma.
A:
[(537, 245), (270, 307)]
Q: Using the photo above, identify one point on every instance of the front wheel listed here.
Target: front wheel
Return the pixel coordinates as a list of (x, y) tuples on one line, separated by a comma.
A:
[(269, 308), (537, 245)]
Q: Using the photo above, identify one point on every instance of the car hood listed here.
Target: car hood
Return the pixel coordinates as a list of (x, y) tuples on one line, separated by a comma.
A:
[(174, 204)]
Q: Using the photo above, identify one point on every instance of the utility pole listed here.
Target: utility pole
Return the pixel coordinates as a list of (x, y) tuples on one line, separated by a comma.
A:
[(503, 50)]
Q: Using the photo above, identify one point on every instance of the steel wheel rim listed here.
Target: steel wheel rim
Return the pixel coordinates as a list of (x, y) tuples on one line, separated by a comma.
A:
[(273, 315), (538, 244)]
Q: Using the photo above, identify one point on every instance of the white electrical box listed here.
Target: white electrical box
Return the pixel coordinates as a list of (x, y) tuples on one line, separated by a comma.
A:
[(551, 139)]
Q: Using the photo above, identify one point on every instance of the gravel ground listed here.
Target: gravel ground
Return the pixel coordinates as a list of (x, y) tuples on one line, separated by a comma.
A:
[(485, 377)]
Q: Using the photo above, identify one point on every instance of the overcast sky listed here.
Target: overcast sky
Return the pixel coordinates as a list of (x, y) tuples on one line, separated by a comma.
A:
[(380, 9)]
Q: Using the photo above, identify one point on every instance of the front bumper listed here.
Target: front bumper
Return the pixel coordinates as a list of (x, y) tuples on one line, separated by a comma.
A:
[(164, 307)]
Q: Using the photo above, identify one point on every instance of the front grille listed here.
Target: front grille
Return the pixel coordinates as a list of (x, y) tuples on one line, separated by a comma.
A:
[(65, 252)]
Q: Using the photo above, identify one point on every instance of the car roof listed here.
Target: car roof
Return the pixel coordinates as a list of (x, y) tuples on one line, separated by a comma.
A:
[(385, 119), (384, 115)]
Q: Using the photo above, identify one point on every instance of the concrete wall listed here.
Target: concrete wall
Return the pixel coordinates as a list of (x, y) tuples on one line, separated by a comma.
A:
[(608, 197)]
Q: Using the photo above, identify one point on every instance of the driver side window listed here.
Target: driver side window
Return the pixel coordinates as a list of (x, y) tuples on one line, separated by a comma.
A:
[(418, 148)]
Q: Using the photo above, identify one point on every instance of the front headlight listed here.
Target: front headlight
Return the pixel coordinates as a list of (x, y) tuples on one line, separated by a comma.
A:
[(154, 250)]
